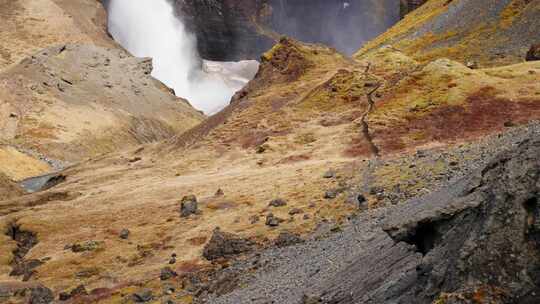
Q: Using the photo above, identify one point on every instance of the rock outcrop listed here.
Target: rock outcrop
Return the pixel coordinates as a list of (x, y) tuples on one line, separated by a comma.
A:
[(473, 242), (242, 29)]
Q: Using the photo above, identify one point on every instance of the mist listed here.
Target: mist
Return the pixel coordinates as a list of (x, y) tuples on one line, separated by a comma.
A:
[(150, 28)]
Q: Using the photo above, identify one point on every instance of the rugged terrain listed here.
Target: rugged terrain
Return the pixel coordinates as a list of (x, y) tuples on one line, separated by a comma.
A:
[(80, 95), (389, 177)]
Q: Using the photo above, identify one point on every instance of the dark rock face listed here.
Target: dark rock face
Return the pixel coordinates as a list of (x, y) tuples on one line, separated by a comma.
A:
[(534, 53), (244, 29), (224, 245), (407, 6), (476, 241)]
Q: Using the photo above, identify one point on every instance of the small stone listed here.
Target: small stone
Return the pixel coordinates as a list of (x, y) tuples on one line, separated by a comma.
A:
[(307, 217), (219, 192), (124, 234), (167, 273), (13, 115), (277, 203), (254, 219), (361, 199), (294, 211), (509, 124), (329, 174), (135, 159), (85, 246), (143, 296), (330, 194), (272, 221), (188, 206), (172, 261), (260, 149), (312, 205), (471, 64)]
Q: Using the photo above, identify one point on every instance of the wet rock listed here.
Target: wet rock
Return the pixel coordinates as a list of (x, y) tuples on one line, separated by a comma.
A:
[(272, 221), (534, 53), (295, 211), (124, 234), (225, 245), (86, 246), (78, 291), (188, 206), (286, 238), (143, 296), (277, 203), (167, 273), (41, 295)]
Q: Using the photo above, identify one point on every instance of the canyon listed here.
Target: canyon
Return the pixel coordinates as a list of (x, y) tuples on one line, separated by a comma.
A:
[(383, 152)]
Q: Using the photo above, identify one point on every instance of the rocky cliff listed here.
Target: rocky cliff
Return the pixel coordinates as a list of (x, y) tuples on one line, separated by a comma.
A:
[(239, 29)]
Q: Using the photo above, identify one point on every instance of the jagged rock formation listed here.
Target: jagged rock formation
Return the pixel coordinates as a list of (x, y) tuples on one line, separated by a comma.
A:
[(239, 29), (473, 242)]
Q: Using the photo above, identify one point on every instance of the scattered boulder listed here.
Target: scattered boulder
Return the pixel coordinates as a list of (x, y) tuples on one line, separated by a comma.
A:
[(124, 234), (41, 295), (78, 291), (295, 211), (188, 206), (329, 174), (86, 246), (330, 194), (167, 273), (286, 238), (272, 220), (534, 53), (277, 203), (143, 296), (225, 245), (471, 64)]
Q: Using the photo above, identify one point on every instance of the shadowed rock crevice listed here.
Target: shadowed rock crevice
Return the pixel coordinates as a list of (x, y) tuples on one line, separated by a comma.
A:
[(25, 240)]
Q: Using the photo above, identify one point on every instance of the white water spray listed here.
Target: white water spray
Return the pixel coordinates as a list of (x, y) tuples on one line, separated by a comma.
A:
[(149, 28)]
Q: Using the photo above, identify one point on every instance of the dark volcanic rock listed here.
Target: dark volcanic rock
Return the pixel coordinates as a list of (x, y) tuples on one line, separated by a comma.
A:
[(244, 29), (224, 245), (478, 238), (78, 291), (188, 206), (534, 53), (41, 295)]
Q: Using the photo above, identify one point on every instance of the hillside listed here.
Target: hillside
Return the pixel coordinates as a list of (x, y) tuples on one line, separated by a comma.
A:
[(485, 33), (71, 93), (394, 175)]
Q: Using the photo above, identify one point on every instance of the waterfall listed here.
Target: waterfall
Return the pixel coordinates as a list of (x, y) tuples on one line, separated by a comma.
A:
[(150, 28)]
